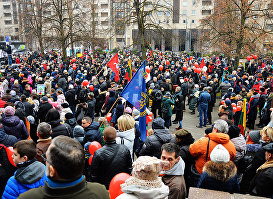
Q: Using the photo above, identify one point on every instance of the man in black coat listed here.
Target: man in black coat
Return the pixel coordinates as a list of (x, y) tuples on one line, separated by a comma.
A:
[(91, 105), (28, 106), (70, 97), (261, 185), (92, 130), (44, 108), (110, 160)]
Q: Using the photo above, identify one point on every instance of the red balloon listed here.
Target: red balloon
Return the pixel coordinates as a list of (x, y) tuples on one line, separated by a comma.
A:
[(198, 70), (91, 87), (248, 58), (22, 75), (90, 159), (196, 64), (185, 68), (160, 67), (149, 118), (255, 56), (233, 105), (148, 70), (188, 59), (74, 59), (114, 187), (167, 62), (109, 117), (85, 82), (239, 108), (10, 153), (222, 102), (234, 109), (74, 67), (93, 146), (226, 68)]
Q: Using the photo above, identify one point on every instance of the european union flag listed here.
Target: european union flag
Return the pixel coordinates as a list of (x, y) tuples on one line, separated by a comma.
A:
[(135, 93)]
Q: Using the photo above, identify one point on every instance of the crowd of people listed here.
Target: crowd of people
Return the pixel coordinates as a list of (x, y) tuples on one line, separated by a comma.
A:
[(53, 110)]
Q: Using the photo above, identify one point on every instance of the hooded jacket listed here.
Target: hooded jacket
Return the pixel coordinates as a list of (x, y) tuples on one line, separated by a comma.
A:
[(135, 192), (220, 177), (224, 86), (240, 146), (64, 111), (71, 122), (92, 133), (12, 125), (153, 143), (127, 138), (7, 140), (29, 175), (199, 148), (60, 129)]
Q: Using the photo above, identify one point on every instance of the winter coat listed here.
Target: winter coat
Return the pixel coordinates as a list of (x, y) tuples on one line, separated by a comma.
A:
[(12, 125), (220, 177), (81, 190), (137, 191), (224, 86), (194, 98), (28, 108), (204, 98), (190, 86), (254, 102), (178, 98), (92, 133), (111, 101), (47, 86), (91, 108), (78, 133), (41, 148), (71, 122), (199, 148), (7, 140), (240, 146), (25, 177), (44, 108), (261, 184), (64, 111), (70, 97), (166, 103), (108, 161), (153, 143), (127, 138), (60, 129)]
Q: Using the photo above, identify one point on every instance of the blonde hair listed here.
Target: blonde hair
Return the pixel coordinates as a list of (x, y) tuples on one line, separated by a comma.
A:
[(126, 122), (267, 131), (16, 81)]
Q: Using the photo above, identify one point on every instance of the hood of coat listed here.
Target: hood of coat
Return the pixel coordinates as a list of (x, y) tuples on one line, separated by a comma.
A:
[(93, 126), (54, 123), (220, 171), (31, 173), (2, 134), (220, 138), (72, 122), (11, 121), (239, 143), (78, 131), (164, 135), (143, 192), (177, 169), (128, 135), (158, 123)]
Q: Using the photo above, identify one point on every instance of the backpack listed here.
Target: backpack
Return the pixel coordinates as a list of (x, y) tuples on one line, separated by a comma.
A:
[(7, 166), (82, 95), (164, 108), (158, 95)]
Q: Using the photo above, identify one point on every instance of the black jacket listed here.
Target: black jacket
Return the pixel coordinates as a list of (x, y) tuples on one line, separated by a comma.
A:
[(28, 108), (153, 143), (60, 129), (44, 108), (70, 97), (91, 108), (110, 160), (93, 133)]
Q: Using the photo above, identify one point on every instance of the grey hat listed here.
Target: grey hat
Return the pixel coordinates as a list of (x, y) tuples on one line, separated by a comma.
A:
[(255, 136), (268, 147), (44, 98)]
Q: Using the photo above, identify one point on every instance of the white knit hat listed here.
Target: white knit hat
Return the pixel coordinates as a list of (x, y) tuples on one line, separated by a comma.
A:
[(220, 154)]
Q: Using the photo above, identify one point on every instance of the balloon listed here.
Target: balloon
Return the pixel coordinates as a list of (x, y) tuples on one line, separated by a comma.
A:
[(74, 59), (205, 69), (185, 68), (109, 117), (196, 64), (234, 109), (10, 154), (248, 58), (226, 68), (148, 70), (149, 119), (85, 82), (91, 87), (198, 70), (93, 146), (222, 102), (255, 56), (188, 59), (239, 108), (74, 67), (114, 187), (167, 62), (233, 105), (160, 67), (90, 159)]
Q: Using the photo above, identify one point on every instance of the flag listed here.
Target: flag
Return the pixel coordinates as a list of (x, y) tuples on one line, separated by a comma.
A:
[(242, 121), (152, 55), (128, 74), (135, 93), (113, 64), (202, 63)]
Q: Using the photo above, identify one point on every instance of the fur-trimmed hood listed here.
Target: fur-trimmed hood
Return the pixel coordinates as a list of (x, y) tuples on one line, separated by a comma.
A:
[(220, 171)]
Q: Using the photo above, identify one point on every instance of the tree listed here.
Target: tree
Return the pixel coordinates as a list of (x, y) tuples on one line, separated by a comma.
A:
[(238, 26)]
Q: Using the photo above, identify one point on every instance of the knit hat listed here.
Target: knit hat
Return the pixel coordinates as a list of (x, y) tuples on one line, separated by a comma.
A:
[(255, 136), (68, 116), (136, 112), (220, 154), (228, 102), (9, 111), (233, 131), (128, 110)]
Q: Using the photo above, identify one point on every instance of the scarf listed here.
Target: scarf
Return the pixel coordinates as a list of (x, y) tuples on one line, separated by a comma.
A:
[(266, 165), (177, 170)]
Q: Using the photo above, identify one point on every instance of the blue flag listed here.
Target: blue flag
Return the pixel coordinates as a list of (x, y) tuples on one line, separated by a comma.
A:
[(135, 93)]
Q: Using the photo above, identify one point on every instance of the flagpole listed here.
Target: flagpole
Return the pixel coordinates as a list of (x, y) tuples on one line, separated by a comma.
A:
[(109, 111)]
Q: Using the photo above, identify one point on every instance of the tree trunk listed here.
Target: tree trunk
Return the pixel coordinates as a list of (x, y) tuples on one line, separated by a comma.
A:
[(141, 29)]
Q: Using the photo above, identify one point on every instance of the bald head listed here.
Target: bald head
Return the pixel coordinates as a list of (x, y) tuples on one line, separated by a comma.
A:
[(109, 133)]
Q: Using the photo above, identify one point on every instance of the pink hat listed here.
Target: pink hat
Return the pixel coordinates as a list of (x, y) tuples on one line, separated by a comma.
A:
[(128, 110), (9, 111)]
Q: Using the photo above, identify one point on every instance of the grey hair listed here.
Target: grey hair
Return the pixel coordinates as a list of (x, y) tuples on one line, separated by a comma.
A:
[(221, 126)]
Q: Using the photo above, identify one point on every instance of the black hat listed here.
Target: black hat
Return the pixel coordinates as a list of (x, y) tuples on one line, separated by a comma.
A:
[(68, 116), (268, 147), (65, 105)]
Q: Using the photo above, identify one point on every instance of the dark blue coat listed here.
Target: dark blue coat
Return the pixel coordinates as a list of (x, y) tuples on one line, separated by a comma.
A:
[(93, 133), (12, 125), (7, 140), (204, 99)]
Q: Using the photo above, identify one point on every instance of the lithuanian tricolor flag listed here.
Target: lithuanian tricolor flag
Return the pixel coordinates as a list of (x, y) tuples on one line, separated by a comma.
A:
[(242, 121), (128, 74)]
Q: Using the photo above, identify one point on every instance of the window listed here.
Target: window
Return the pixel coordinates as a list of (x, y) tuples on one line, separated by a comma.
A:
[(192, 21), (184, 12), (104, 14), (16, 29), (104, 6), (7, 14), (185, 3), (167, 13), (206, 12), (120, 39), (104, 23), (193, 12), (206, 3), (8, 22), (6, 7), (184, 21), (159, 13)]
